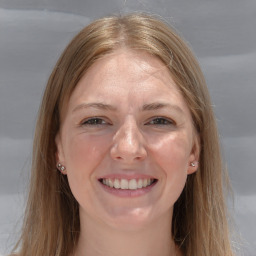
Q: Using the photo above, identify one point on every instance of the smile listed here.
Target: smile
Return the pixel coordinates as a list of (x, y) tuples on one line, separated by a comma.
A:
[(125, 184)]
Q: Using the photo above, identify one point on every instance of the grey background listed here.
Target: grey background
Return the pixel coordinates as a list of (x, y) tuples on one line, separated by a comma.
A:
[(33, 33)]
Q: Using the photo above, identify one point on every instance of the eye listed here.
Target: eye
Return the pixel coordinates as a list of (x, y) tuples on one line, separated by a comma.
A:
[(94, 121), (160, 121)]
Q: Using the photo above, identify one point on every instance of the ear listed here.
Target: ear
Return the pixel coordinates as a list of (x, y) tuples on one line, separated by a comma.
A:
[(59, 154), (194, 156)]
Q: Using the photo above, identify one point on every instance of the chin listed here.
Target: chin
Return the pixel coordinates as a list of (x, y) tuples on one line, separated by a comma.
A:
[(128, 219)]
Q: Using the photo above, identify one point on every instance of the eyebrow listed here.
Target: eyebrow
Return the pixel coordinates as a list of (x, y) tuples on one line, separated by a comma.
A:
[(145, 107), (158, 105), (96, 105)]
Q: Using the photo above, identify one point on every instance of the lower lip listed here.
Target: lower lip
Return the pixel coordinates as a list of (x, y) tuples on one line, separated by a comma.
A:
[(128, 192)]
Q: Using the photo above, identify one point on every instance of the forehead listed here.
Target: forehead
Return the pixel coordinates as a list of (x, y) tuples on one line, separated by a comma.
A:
[(127, 76)]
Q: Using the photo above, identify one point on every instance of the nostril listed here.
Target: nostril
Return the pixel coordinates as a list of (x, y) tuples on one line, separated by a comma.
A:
[(121, 152)]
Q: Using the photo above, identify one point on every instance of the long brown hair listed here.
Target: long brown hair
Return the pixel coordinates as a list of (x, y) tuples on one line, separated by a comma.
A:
[(51, 225)]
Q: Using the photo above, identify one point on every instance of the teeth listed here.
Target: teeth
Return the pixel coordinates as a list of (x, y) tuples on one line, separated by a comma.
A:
[(140, 183), (133, 184), (111, 183), (127, 184), (116, 183), (124, 184)]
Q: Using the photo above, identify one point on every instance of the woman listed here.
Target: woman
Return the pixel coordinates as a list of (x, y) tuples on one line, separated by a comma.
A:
[(126, 153)]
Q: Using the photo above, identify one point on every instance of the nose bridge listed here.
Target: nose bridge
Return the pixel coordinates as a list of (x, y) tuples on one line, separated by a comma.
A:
[(128, 134), (130, 131), (128, 141)]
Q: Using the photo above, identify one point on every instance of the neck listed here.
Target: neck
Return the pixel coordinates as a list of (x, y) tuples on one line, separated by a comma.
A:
[(96, 240)]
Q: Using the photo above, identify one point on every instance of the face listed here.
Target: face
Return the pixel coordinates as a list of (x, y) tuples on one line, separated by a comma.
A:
[(127, 141)]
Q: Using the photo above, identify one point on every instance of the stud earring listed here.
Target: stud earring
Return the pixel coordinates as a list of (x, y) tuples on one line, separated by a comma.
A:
[(60, 167), (193, 164)]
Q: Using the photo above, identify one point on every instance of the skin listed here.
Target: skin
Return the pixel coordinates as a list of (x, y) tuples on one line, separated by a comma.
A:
[(126, 117)]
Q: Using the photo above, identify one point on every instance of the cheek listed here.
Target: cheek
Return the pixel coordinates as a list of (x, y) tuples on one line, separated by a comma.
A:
[(172, 156), (172, 152), (84, 153)]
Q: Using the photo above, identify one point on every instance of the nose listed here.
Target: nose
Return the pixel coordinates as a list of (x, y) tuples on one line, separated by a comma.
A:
[(128, 143)]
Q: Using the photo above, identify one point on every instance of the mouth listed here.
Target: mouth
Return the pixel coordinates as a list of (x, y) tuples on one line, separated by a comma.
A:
[(126, 184)]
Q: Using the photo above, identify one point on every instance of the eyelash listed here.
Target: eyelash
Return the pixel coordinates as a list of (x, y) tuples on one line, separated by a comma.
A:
[(96, 121), (161, 121)]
